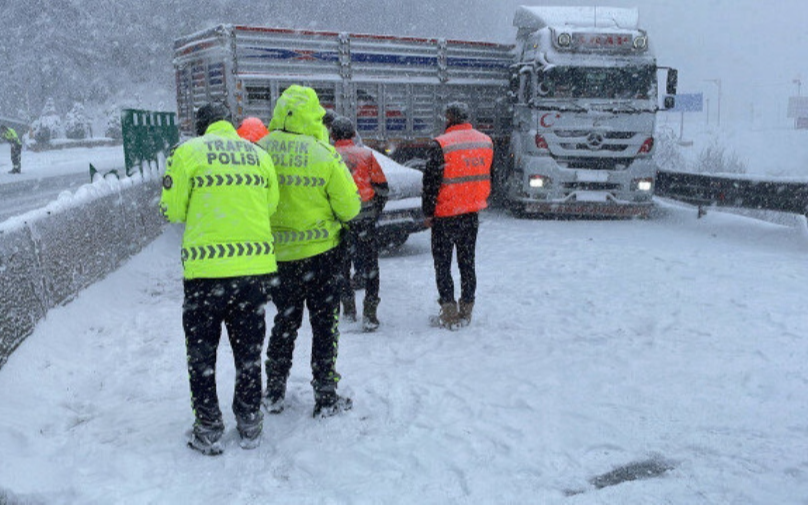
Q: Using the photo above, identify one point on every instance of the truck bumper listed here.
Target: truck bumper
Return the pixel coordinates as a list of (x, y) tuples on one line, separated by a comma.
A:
[(578, 192), (585, 209)]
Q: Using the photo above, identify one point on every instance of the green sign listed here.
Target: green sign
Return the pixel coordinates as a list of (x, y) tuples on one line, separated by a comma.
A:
[(146, 134)]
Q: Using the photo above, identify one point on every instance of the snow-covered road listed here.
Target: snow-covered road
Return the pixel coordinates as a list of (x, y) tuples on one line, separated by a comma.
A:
[(595, 344)]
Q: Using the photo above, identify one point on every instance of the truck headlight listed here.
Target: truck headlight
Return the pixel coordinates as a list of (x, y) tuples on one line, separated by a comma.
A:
[(538, 181), (645, 184), (564, 39)]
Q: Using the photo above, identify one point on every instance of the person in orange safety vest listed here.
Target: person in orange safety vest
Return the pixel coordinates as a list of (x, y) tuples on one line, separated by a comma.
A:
[(456, 185), (363, 246)]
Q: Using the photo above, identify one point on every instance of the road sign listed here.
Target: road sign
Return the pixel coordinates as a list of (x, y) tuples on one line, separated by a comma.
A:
[(688, 102)]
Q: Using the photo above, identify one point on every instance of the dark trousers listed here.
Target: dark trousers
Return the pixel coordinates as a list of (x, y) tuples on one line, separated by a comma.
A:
[(363, 252), (16, 154), (448, 234), (313, 283), (239, 303)]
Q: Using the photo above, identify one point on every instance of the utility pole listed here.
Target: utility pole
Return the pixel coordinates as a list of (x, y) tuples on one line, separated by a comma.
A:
[(707, 110)]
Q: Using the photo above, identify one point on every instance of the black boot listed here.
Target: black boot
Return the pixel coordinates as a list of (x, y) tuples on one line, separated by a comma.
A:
[(331, 404), (369, 320), (349, 309), (272, 400)]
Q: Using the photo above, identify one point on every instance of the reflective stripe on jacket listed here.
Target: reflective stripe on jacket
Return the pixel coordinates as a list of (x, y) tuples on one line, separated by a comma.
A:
[(466, 184), (224, 189)]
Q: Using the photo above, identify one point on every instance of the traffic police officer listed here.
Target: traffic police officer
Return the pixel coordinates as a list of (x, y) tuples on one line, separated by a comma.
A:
[(224, 189), (317, 196), (9, 135)]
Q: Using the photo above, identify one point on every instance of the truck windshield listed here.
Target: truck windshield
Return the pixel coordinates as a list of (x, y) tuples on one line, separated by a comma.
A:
[(627, 83)]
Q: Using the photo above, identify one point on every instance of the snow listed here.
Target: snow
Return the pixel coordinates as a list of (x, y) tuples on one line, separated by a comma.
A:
[(75, 160), (536, 18), (48, 165), (676, 343), (403, 181)]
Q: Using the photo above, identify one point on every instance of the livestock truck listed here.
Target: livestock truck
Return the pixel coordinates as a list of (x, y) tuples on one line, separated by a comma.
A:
[(586, 94), (393, 88), (571, 107)]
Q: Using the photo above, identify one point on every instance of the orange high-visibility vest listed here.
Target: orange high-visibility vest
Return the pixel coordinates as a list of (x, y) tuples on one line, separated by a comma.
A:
[(468, 155), (363, 165)]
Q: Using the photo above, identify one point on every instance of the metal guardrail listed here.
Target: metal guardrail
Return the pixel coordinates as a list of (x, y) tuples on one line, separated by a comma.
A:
[(745, 193)]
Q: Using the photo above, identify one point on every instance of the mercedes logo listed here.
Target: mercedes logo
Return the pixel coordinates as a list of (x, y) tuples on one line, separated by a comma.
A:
[(595, 141)]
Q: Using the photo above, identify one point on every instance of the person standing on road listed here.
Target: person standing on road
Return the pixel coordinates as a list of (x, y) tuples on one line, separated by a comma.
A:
[(9, 135), (224, 189), (456, 185), (317, 197), (362, 237)]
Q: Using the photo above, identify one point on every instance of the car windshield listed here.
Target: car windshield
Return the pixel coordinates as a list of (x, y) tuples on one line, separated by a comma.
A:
[(638, 83)]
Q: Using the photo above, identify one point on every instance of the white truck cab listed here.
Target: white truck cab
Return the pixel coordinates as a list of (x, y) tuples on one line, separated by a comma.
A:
[(586, 97)]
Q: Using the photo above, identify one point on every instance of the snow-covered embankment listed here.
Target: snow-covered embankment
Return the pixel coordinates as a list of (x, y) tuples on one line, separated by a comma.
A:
[(48, 255)]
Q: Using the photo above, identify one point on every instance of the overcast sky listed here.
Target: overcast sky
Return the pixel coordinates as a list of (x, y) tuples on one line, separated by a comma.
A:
[(757, 48)]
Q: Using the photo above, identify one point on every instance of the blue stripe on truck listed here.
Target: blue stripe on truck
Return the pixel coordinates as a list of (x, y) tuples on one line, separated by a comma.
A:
[(391, 59)]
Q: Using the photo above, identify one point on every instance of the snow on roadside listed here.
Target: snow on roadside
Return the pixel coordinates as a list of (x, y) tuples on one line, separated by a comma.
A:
[(594, 345)]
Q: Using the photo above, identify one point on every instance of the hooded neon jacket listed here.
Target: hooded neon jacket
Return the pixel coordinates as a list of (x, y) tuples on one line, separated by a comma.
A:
[(224, 189), (11, 137), (317, 191)]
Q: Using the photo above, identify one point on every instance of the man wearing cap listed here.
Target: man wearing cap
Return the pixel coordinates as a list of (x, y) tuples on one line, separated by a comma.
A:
[(456, 185), (362, 241), (225, 190)]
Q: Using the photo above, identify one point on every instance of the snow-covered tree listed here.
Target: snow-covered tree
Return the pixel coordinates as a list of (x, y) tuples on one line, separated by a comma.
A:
[(714, 159), (47, 126), (667, 152), (77, 126), (113, 127)]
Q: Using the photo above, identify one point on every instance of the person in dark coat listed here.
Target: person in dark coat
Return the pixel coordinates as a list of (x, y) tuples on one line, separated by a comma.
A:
[(456, 186), (363, 243)]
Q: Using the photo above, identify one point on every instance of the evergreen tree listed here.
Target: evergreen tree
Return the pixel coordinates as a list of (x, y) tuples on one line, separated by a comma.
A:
[(77, 126), (113, 127), (47, 126)]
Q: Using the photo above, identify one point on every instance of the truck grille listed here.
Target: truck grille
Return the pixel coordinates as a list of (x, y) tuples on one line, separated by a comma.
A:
[(607, 142), (594, 163), (591, 186)]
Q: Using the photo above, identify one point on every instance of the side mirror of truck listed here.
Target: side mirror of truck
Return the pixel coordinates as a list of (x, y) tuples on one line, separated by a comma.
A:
[(669, 102), (673, 81)]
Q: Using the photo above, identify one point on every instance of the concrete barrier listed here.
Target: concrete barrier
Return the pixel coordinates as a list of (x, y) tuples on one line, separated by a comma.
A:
[(49, 255)]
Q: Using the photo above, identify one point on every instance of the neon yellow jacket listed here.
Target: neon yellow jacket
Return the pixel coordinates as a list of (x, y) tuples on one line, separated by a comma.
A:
[(317, 191), (11, 137), (224, 189)]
